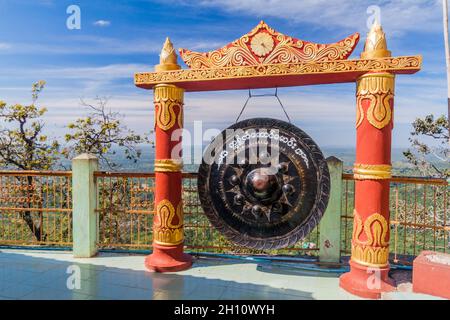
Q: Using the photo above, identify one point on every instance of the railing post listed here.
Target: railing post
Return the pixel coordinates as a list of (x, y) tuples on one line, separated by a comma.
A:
[(330, 225), (84, 203)]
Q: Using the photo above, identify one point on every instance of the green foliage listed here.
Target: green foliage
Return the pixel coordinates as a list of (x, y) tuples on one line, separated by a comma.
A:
[(420, 152), (22, 143), (102, 133)]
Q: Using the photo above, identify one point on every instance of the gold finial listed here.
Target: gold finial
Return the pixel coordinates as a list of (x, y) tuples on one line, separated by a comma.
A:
[(375, 46), (167, 58)]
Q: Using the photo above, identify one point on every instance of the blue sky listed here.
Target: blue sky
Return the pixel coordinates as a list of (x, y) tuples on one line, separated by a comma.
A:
[(100, 58)]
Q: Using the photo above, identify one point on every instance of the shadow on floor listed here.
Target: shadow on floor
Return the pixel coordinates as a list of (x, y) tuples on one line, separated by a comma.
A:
[(276, 267), (29, 277)]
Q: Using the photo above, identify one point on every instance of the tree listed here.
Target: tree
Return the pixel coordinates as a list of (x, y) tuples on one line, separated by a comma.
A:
[(426, 155), (22, 143), (101, 133), (23, 146)]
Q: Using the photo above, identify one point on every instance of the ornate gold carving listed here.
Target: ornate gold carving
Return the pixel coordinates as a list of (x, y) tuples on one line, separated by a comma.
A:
[(369, 256), (263, 45), (168, 225), (379, 89), (359, 112), (357, 225), (372, 171), (168, 165), (397, 64), (375, 46), (166, 98), (181, 118), (167, 58), (378, 227), (374, 251)]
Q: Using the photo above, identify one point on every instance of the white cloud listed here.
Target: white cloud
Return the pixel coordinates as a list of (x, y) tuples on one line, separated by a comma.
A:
[(70, 81), (102, 23), (4, 46), (107, 72), (76, 45), (86, 44), (397, 16)]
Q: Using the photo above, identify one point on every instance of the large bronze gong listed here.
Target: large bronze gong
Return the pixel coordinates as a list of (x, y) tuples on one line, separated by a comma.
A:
[(260, 203)]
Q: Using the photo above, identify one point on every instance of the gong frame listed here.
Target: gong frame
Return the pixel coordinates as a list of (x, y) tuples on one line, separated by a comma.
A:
[(374, 75)]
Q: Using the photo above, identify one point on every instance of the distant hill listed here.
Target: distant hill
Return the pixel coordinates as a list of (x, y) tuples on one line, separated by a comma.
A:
[(347, 155)]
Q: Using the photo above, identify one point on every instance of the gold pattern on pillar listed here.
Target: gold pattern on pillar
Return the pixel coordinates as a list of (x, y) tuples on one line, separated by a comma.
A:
[(168, 165), (168, 106), (373, 251), (372, 171), (359, 112), (379, 89), (168, 226)]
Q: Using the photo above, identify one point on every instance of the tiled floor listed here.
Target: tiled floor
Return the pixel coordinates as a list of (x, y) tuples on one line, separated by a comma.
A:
[(51, 275)]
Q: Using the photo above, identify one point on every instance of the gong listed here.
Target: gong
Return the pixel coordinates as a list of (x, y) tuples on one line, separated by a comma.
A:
[(263, 183)]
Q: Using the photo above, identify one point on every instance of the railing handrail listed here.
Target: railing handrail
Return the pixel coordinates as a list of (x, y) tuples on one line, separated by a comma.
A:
[(35, 173), (345, 176), (407, 179), (137, 174)]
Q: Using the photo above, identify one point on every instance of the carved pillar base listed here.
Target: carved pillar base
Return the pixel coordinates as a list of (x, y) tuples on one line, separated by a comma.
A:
[(366, 282), (168, 259)]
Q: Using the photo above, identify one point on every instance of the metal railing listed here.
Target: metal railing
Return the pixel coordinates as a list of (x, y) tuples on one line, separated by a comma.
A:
[(126, 215), (35, 208), (420, 219), (125, 209)]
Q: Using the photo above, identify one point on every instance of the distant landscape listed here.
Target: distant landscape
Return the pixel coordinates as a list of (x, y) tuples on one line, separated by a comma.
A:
[(347, 155)]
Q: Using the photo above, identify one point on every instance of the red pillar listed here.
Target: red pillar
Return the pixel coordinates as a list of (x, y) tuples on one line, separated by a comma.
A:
[(168, 232), (368, 276), (369, 263), (168, 220)]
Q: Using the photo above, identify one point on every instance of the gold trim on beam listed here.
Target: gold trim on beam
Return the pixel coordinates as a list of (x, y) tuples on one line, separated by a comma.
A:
[(168, 165), (188, 78), (372, 171)]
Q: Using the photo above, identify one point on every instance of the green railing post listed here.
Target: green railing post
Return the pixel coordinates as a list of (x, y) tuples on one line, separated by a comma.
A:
[(84, 197), (330, 225)]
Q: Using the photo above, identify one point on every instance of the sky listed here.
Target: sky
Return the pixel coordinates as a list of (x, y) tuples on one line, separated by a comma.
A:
[(118, 38)]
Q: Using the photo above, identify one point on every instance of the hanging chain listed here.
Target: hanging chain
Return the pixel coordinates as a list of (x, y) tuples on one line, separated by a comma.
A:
[(250, 95)]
